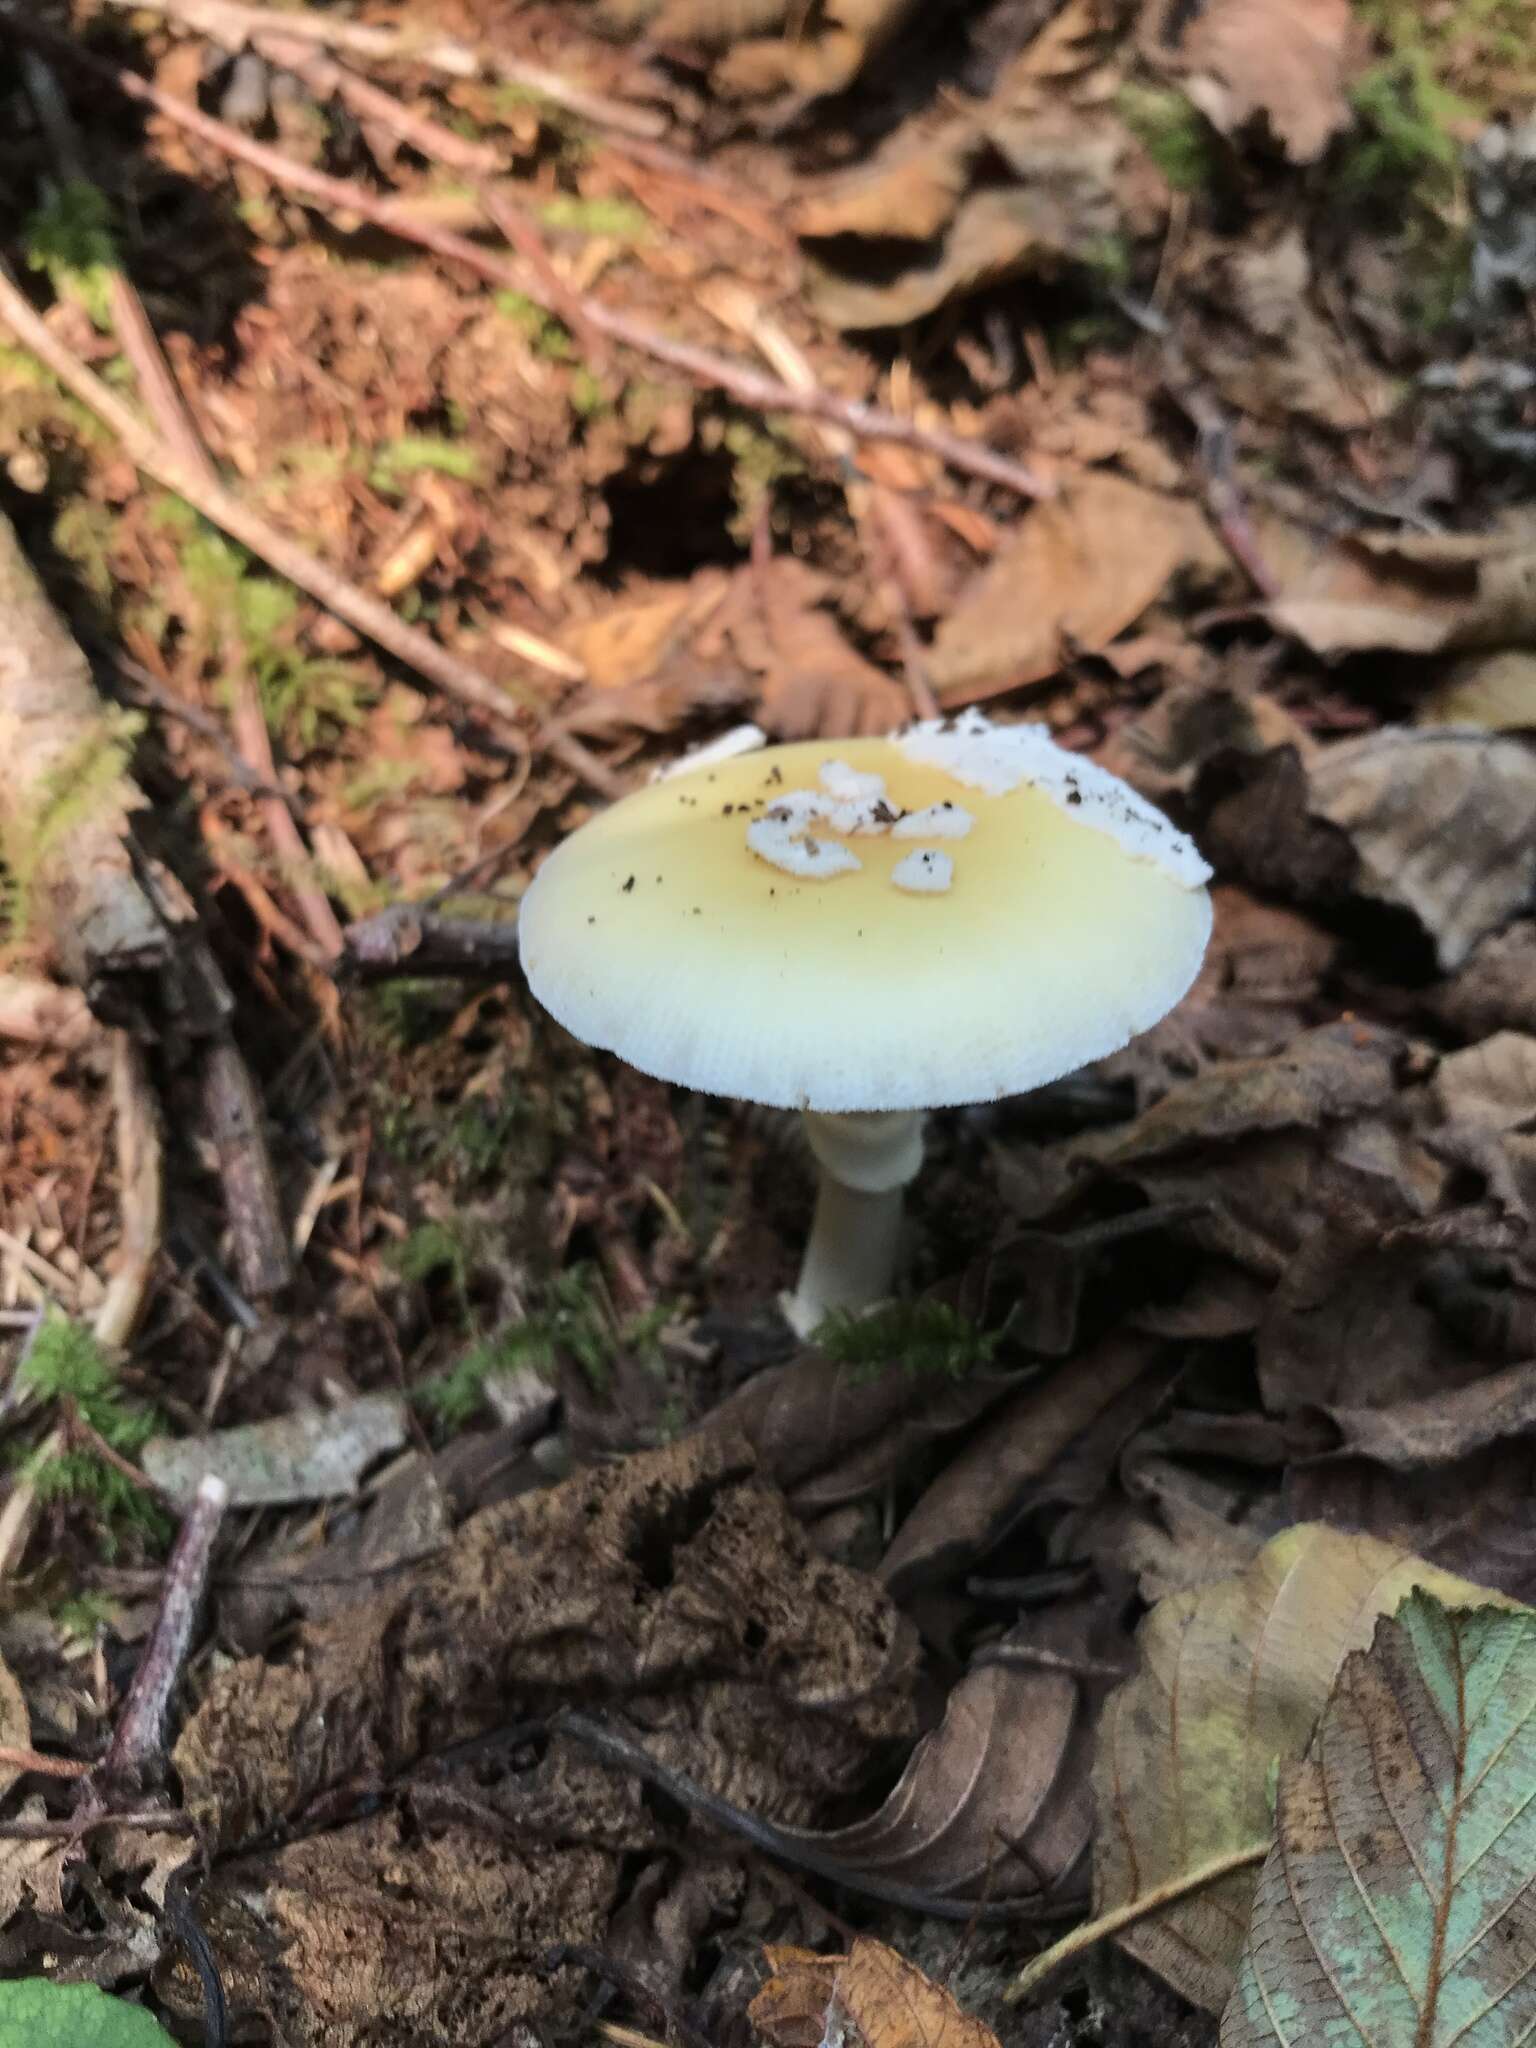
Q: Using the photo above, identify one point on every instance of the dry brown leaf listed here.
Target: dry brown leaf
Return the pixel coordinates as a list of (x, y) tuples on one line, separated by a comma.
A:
[(1081, 568), (1495, 691), (995, 1803), (1495, 990), (984, 1488), (791, 2008), (1287, 60), (1061, 203), (813, 682), (1414, 594), (32, 1873), (1442, 1427), (908, 191), (1440, 824), (884, 1999), (15, 1724), (1485, 1097), (1272, 350), (828, 1435), (1232, 1677), (629, 643), (1475, 1514), (1352, 1320)]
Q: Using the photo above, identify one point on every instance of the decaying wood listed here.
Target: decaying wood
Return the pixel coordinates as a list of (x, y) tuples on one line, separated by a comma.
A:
[(408, 940), (252, 1206), (73, 864)]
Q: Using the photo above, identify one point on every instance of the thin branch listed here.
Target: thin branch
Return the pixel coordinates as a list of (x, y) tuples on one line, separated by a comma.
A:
[(748, 387), (253, 1206), (223, 18), (207, 727), (85, 1822), (408, 939), (327, 79), (137, 1751), (1092, 1932), (130, 322), (625, 1754), (415, 649), (32, 1760)]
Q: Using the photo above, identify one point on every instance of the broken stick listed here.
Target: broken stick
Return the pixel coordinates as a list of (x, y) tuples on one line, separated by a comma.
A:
[(136, 1755)]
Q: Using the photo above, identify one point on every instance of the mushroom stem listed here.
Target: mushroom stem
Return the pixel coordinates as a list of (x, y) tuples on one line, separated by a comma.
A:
[(866, 1159)]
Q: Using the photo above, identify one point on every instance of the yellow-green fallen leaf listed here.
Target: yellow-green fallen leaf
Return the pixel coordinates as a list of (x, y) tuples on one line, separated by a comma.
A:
[(1231, 1676), (1397, 1904)]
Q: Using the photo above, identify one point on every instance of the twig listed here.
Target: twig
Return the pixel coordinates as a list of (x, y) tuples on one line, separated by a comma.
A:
[(293, 856), (525, 238), (738, 380), (1213, 444), (1092, 1932), (606, 1742), (406, 939), (90, 1818), (32, 1760), (252, 1205), (136, 1753), (130, 322), (207, 727), (148, 453), (221, 18), (371, 103), (137, 1127), (579, 758), (77, 1431)]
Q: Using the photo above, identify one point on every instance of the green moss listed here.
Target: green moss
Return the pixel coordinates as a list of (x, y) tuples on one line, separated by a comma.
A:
[(1430, 87), (64, 1364), (77, 787), (576, 1320), (453, 1398), (82, 1616), (619, 220), (1109, 257), (589, 398), (411, 453), (548, 337), (1173, 132), (1406, 135), (433, 1249), (69, 238), (305, 699), (926, 1338), (764, 456), (83, 533), (21, 371)]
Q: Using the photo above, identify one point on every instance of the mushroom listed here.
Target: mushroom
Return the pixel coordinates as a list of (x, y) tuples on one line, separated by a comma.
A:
[(863, 930)]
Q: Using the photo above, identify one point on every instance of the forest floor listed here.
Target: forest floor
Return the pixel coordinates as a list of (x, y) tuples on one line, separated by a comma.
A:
[(1160, 373)]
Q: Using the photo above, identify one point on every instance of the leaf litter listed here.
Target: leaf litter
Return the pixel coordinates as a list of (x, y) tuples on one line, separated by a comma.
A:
[(1237, 290)]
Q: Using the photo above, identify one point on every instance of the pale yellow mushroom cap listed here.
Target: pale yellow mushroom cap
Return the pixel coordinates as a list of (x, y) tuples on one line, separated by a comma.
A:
[(777, 929)]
